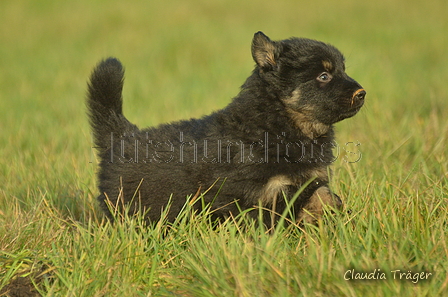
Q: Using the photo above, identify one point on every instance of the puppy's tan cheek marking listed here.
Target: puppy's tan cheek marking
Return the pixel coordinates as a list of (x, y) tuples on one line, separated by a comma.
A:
[(302, 117), (292, 100), (305, 122), (314, 207), (273, 188)]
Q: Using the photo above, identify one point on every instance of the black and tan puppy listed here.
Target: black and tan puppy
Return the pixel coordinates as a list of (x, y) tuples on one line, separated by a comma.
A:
[(273, 138)]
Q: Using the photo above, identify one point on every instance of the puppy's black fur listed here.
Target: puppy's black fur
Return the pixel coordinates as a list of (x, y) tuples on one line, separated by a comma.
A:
[(273, 138)]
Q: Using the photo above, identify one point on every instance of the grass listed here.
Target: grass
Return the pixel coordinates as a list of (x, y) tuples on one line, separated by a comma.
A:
[(185, 59)]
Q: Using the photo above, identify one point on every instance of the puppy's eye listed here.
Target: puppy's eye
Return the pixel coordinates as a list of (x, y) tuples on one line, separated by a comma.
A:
[(324, 77)]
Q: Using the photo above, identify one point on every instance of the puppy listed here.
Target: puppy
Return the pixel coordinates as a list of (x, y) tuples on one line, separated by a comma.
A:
[(269, 148)]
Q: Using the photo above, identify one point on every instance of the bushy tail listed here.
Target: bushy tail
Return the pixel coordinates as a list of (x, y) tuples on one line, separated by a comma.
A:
[(105, 102)]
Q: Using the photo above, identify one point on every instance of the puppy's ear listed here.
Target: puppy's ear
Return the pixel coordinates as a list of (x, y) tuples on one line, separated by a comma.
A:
[(264, 51)]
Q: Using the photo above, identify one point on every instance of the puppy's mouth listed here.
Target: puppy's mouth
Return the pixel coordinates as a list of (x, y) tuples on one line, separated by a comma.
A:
[(352, 111), (348, 114)]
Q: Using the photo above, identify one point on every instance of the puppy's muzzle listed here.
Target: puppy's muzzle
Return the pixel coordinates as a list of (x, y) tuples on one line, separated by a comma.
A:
[(358, 98)]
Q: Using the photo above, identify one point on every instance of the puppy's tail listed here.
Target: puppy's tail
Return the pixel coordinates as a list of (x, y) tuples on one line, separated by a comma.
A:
[(105, 103)]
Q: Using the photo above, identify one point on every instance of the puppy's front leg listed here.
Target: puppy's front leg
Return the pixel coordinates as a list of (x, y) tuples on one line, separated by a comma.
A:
[(313, 209)]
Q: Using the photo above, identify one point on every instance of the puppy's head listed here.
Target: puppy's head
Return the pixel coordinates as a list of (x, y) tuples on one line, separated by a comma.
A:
[(309, 77)]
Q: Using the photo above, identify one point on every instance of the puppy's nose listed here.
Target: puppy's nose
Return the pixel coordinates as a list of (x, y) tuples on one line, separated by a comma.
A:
[(359, 95), (358, 98)]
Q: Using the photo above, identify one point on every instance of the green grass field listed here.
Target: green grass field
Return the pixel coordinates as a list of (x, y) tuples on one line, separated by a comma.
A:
[(185, 59)]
